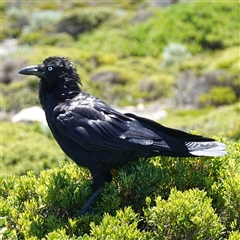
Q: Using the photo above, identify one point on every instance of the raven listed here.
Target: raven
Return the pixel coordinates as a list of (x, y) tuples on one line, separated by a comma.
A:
[(96, 136)]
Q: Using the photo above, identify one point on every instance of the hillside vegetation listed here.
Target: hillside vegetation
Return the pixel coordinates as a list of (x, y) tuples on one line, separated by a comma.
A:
[(183, 57)]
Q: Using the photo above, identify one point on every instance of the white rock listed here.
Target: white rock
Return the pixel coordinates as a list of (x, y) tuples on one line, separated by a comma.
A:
[(31, 114), (153, 111)]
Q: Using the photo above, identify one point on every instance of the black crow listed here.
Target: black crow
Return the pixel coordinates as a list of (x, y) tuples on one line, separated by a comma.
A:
[(100, 138)]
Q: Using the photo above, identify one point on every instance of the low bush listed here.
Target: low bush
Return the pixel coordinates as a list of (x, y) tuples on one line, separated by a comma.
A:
[(78, 21), (27, 147), (162, 197), (217, 121), (185, 215), (226, 191), (156, 87), (32, 38), (23, 21), (56, 39), (196, 25), (218, 96), (234, 235), (19, 95)]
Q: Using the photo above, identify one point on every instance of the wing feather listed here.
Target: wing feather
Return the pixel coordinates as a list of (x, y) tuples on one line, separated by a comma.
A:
[(94, 125), (89, 127)]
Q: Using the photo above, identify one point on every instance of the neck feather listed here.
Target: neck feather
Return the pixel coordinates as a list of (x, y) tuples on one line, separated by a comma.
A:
[(59, 92)]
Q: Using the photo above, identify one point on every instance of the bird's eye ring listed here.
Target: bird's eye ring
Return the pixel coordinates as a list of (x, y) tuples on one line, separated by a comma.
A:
[(50, 69)]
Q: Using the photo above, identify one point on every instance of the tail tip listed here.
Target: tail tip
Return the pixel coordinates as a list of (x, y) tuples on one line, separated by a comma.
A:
[(210, 149)]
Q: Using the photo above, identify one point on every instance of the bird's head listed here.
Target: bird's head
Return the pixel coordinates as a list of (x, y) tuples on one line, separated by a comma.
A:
[(54, 71)]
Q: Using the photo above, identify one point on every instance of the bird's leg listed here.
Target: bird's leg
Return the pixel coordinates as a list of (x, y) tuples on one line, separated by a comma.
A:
[(107, 176), (90, 201), (98, 185)]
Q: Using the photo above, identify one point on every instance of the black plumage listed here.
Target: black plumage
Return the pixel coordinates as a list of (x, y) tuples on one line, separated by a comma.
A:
[(100, 138)]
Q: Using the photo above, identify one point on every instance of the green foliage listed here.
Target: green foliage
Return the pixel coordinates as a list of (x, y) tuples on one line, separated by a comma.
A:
[(185, 215), (196, 25), (222, 120), (32, 38), (121, 226), (156, 87), (157, 198), (24, 21), (19, 95), (235, 235), (78, 20), (111, 46), (46, 203), (56, 39), (227, 190), (133, 185), (218, 96), (150, 198), (25, 148), (227, 59)]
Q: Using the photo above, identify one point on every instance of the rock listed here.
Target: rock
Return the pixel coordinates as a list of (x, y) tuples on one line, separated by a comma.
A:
[(31, 114), (107, 77), (8, 46), (142, 15), (190, 86), (162, 3), (151, 111), (9, 70)]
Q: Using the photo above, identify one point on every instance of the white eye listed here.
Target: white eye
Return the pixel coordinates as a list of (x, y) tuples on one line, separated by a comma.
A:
[(50, 69)]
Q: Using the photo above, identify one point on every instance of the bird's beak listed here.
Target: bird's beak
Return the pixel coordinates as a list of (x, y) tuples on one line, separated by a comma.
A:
[(32, 70)]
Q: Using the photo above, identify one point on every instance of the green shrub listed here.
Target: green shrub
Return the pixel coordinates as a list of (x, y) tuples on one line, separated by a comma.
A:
[(141, 203), (24, 21), (234, 235), (78, 21), (185, 215), (56, 39), (59, 39), (196, 25), (226, 190), (107, 41), (156, 87), (19, 95), (25, 148), (218, 96), (231, 195), (214, 121), (46, 204), (32, 38), (121, 226)]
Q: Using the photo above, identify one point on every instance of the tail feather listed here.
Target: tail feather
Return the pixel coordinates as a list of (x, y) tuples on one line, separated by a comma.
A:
[(188, 144), (211, 149)]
